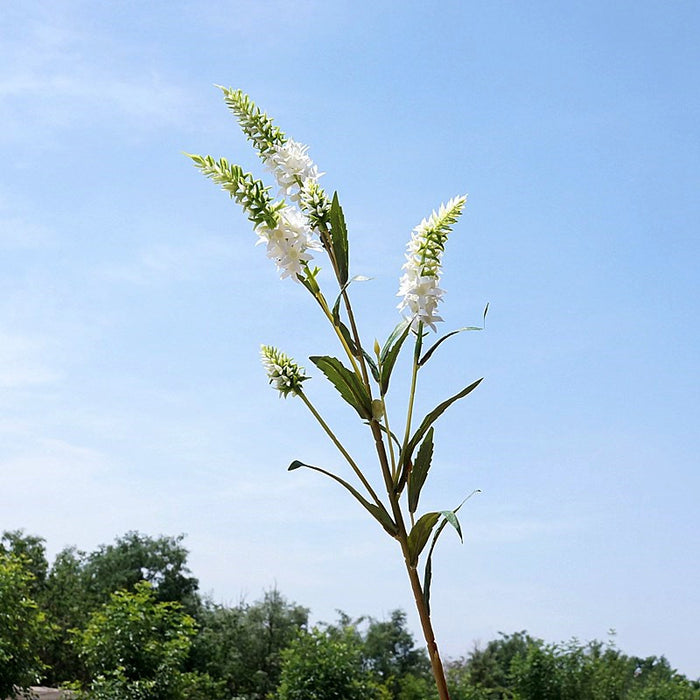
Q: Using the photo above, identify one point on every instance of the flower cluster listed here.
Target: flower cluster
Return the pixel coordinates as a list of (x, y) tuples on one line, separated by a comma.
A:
[(314, 203), (289, 242), (284, 374), (419, 283), (292, 167)]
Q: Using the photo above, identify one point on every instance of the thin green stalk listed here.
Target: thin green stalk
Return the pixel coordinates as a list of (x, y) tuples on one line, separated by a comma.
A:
[(340, 447), (324, 235), (389, 440), (324, 307), (414, 378)]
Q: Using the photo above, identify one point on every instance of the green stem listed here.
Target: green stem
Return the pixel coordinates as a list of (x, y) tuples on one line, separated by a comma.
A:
[(402, 537), (324, 306), (340, 447), (414, 379), (394, 474), (428, 633)]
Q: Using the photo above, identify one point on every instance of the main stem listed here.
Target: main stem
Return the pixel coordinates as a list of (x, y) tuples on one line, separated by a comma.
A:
[(426, 624), (402, 536), (417, 589)]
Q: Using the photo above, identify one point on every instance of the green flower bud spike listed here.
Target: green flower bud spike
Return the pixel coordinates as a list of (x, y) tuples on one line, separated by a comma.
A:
[(284, 374)]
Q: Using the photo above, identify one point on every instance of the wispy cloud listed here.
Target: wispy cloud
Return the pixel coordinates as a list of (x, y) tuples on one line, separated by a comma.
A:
[(165, 262), (22, 361), (54, 76), (19, 233)]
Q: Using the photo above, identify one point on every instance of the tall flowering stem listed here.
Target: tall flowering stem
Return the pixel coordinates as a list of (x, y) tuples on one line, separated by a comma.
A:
[(302, 224)]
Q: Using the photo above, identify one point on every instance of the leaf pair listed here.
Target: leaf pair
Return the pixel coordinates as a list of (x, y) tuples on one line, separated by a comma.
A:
[(450, 517), (420, 532)]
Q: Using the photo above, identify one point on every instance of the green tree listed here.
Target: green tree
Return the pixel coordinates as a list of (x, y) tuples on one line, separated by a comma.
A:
[(135, 647), (21, 625), (243, 645), (32, 551), (323, 664), (133, 558), (390, 653), (68, 608)]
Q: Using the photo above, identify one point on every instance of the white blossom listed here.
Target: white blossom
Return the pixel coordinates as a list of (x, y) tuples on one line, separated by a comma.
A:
[(289, 243), (291, 167)]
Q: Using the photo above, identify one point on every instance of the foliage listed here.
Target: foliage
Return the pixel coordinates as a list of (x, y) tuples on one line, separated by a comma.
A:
[(242, 646), (31, 550), (523, 668), (135, 647), (322, 664), (67, 608), (77, 584), (21, 625), (133, 558), (389, 653)]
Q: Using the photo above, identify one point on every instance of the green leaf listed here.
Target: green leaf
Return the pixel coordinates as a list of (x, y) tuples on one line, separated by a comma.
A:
[(434, 347), (418, 537), (347, 383), (335, 312), (407, 452), (339, 239), (347, 335), (392, 435), (450, 516), (386, 365), (427, 580), (400, 327), (372, 365), (377, 511), (417, 475), (336, 305)]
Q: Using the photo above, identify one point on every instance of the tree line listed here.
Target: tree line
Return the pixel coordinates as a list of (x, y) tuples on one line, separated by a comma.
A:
[(127, 622)]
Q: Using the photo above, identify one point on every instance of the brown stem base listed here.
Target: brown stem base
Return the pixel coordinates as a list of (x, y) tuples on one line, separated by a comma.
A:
[(424, 615)]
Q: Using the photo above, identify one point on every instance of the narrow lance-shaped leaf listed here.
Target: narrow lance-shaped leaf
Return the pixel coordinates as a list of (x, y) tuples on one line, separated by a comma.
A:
[(418, 537), (435, 345), (372, 365), (391, 434), (400, 328), (407, 452), (450, 516), (389, 360), (419, 472), (347, 383), (337, 322), (336, 305), (377, 511), (339, 239)]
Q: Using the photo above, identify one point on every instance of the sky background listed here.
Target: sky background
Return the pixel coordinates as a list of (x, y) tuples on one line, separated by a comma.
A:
[(133, 301)]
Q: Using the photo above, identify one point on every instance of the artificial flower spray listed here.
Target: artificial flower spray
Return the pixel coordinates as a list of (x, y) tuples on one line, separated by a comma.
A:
[(300, 228)]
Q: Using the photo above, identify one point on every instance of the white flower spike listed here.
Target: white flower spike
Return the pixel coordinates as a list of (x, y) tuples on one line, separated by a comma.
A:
[(291, 167), (289, 243), (419, 284)]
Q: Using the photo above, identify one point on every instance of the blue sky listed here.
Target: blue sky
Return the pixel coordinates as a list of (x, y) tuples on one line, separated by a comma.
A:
[(133, 301)]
